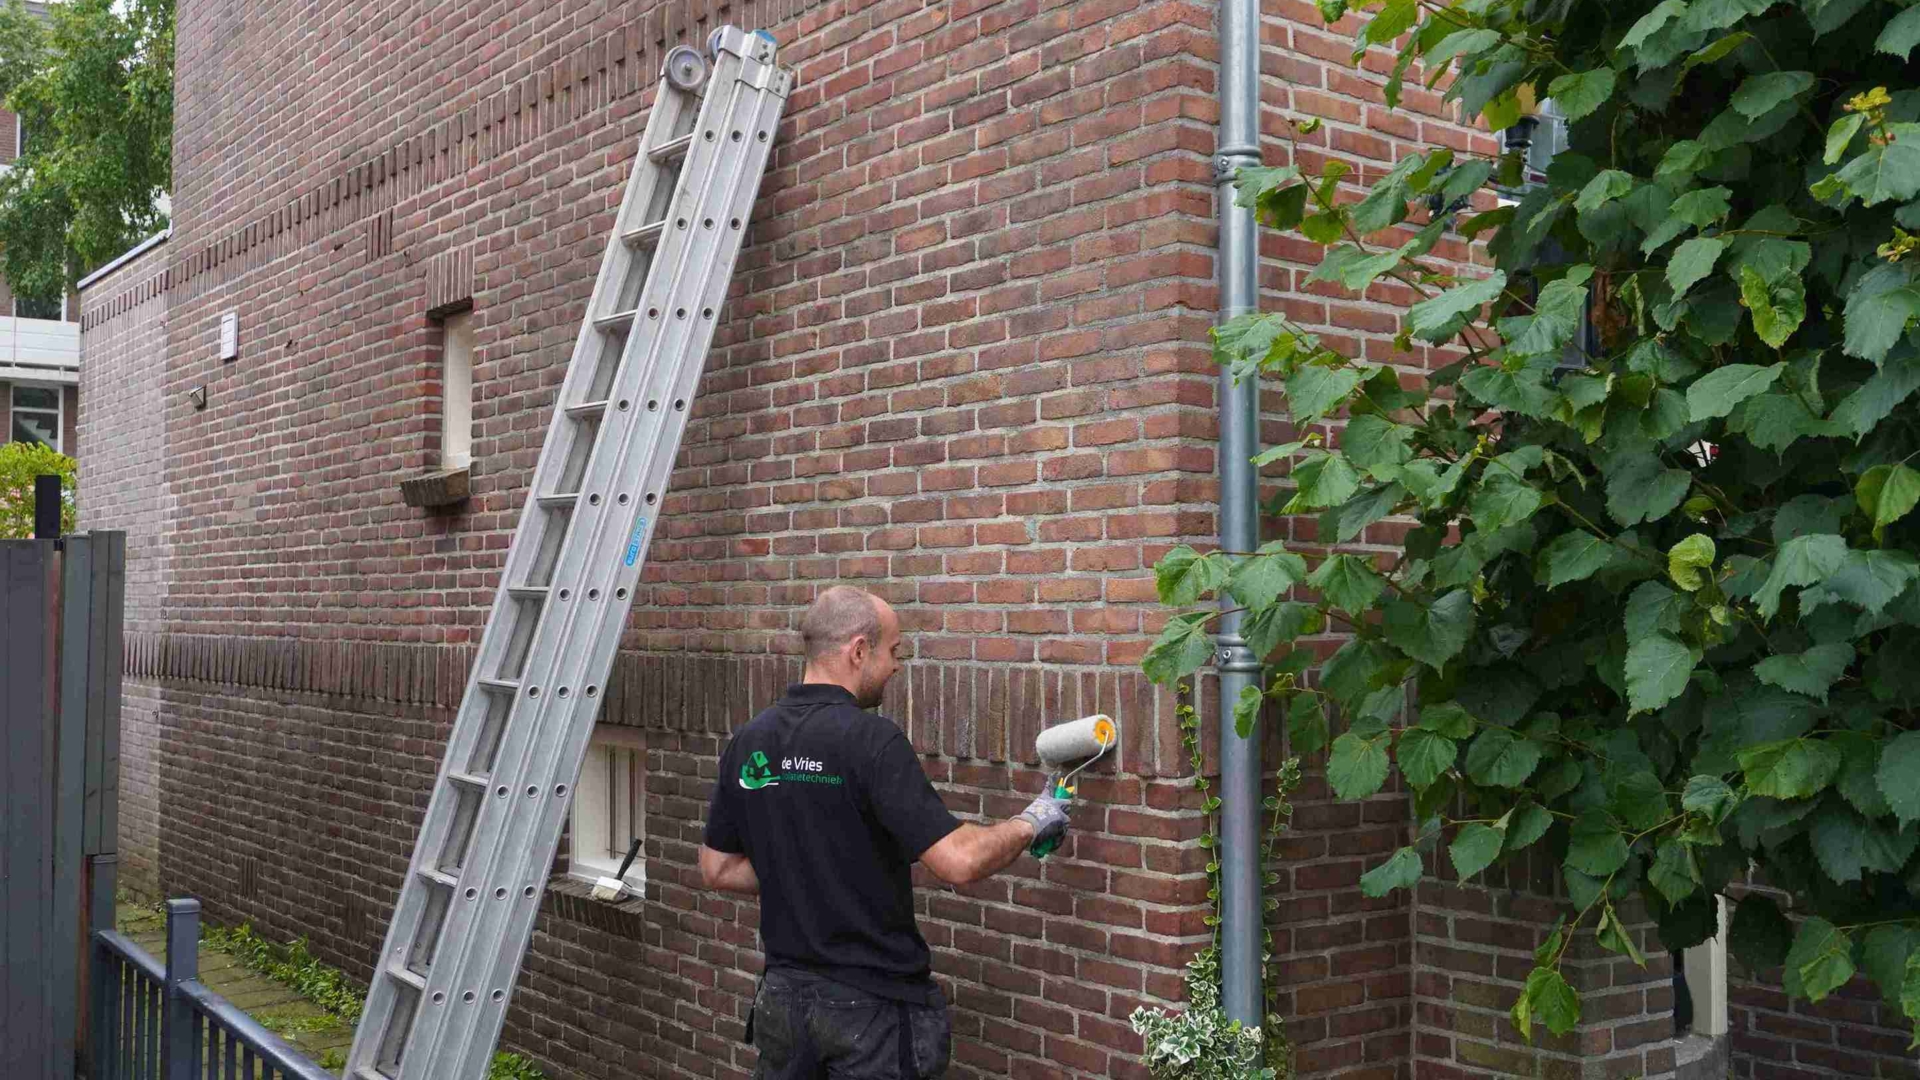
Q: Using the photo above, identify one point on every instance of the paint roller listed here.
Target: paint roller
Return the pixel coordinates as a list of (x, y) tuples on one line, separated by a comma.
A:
[(1083, 740)]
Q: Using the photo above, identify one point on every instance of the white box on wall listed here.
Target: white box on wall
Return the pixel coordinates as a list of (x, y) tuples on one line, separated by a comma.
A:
[(229, 335)]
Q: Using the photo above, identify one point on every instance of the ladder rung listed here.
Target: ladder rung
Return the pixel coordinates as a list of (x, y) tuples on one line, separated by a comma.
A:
[(500, 686), (646, 235), (586, 410), (365, 1072), (408, 977), (536, 592), (469, 779), (445, 881), (617, 320), (672, 149), (562, 501)]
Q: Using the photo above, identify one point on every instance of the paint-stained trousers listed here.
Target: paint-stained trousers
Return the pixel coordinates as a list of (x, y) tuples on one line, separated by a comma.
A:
[(811, 1028)]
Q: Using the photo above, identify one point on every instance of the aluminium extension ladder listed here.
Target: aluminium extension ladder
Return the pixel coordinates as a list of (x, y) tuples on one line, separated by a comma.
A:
[(467, 908)]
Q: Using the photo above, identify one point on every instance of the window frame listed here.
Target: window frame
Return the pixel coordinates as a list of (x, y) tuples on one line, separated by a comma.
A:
[(59, 411), (61, 317), (590, 795)]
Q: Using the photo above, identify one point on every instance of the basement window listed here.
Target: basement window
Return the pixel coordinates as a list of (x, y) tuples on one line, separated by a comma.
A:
[(609, 805)]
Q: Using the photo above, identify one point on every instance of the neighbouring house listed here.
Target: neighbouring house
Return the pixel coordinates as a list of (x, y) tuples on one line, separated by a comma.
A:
[(964, 363), (39, 343)]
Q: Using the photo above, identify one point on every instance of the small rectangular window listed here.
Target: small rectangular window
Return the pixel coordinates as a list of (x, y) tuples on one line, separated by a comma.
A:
[(24, 308), (36, 415), (609, 804), (456, 392)]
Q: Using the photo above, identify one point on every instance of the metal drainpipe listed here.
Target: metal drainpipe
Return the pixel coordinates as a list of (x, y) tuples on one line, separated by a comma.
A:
[(1240, 870)]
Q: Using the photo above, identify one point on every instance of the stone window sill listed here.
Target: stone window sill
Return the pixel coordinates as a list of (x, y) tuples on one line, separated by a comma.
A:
[(571, 898), (446, 487)]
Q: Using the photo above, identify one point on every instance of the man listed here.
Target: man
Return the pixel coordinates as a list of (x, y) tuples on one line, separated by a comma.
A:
[(821, 809)]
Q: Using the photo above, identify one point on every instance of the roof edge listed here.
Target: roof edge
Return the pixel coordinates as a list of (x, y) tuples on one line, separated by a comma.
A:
[(131, 254)]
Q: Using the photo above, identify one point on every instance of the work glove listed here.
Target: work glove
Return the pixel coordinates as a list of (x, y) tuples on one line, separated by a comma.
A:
[(1047, 815)]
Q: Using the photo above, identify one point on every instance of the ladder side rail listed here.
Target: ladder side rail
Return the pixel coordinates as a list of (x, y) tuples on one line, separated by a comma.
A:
[(475, 701), (644, 458)]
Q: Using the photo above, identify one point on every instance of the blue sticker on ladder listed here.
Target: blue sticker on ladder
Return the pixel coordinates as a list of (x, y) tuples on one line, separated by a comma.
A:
[(639, 538)]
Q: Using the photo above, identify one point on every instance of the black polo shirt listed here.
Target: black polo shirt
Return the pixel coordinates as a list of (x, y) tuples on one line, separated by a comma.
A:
[(830, 804)]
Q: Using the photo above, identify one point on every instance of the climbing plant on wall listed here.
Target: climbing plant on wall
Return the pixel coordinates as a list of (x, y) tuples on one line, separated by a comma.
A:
[(1660, 610)]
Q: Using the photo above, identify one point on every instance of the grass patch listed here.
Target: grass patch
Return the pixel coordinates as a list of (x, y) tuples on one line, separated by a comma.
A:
[(292, 966)]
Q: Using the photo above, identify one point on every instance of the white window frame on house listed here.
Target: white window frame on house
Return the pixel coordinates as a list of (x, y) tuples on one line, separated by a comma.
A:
[(63, 310), (603, 821), (456, 390), (59, 410)]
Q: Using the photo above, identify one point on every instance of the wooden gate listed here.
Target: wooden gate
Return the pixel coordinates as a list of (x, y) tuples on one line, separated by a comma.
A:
[(60, 663)]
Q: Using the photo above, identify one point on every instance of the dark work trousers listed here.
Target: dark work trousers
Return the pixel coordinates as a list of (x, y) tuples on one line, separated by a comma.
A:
[(810, 1028)]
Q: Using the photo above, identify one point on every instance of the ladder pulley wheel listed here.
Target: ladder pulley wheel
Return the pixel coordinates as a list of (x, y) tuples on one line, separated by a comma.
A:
[(686, 68)]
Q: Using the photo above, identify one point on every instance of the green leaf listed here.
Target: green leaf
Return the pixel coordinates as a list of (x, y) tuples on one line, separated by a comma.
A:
[(1803, 560), (1868, 579), (1501, 501), (1687, 558), (1181, 649), (1778, 306), (1459, 43), (1306, 724), (1259, 580), (1609, 185), (1520, 391), (1580, 94), (1878, 310), (1900, 35), (1759, 934), (1594, 846), (1645, 490), (1276, 453), (1841, 134), (1760, 93), (1888, 493), (1719, 50), (1789, 769), (1376, 445), (1847, 845), (1811, 672), (1424, 755), (1432, 634), (1437, 319), (1654, 607), (1529, 823), (1652, 22), (1709, 795), (1322, 479), (1500, 758), (1396, 18), (1575, 556), (1693, 261), (1357, 766), (1475, 847), (1657, 670), (1703, 207), (1313, 391), (1547, 996), (1910, 989), (1349, 582), (1887, 170), (1820, 962), (1267, 629), (1899, 776), (1246, 710), (1886, 954), (1556, 315), (1183, 575), (1682, 160), (1400, 872), (1674, 871), (1876, 399)]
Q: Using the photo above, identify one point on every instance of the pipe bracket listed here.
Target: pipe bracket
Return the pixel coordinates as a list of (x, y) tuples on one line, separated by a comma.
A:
[(1228, 159), (1231, 654)]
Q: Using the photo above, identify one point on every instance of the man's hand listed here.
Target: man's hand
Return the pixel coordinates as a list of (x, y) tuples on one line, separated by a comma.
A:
[(1047, 815)]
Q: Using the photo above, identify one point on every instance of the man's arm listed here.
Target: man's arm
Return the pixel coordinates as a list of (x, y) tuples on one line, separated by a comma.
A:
[(728, 873), (973, 853)]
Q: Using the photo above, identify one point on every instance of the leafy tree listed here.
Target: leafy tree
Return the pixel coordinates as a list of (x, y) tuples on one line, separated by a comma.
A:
[(1661, 607), (93, 86), (20, 462)]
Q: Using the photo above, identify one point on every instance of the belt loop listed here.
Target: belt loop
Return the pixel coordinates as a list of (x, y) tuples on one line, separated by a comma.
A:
[(907, 1069)]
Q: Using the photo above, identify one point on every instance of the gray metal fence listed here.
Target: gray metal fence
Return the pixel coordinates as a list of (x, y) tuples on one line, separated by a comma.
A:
[(157, 1021), (60, 660)]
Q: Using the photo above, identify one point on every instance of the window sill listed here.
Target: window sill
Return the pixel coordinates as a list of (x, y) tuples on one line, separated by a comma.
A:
[(447, 487), (571, 898)]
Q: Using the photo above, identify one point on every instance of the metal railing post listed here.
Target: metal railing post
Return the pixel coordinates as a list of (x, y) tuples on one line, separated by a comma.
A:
[(178, 1054), (103, 1020)]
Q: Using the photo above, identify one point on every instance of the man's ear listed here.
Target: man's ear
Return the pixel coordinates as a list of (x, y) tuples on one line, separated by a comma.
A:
[(858, 650)]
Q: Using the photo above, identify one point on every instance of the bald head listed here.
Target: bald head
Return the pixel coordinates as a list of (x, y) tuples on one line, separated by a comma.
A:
[(852, 639), (836, 617)]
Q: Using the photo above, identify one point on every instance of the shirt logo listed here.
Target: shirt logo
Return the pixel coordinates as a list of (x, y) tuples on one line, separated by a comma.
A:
[(757, 773)]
